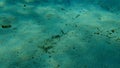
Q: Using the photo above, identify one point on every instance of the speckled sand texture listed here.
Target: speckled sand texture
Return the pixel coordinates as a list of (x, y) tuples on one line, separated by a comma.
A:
[(59, 34)]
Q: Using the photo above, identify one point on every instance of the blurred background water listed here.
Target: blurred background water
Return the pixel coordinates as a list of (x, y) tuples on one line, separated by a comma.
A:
[(59, 34)]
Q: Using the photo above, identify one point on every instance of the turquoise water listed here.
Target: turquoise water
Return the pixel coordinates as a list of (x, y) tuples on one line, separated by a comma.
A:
[(59, 34)]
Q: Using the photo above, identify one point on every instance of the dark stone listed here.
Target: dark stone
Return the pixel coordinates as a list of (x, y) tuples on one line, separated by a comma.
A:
[(24, 5), (6, 26), (113, 30)]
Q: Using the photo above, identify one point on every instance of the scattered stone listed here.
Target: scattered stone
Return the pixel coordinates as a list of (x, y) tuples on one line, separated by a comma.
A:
[(46, 48), (6, 26), (112, 30), (77, 16)]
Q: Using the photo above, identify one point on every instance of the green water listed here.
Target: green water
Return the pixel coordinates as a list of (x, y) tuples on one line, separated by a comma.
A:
[(59, 34)]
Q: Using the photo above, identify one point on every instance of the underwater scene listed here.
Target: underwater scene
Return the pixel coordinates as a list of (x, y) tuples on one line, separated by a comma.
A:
[(59, 33)]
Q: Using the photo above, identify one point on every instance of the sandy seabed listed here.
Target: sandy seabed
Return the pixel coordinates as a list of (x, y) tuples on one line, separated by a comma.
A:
[(36, 34)]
